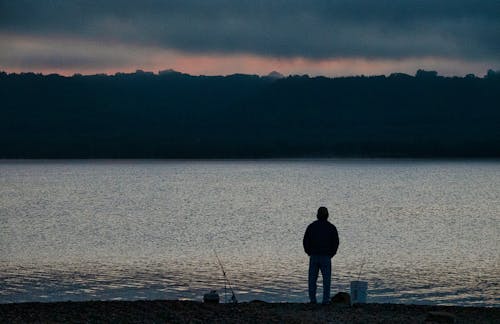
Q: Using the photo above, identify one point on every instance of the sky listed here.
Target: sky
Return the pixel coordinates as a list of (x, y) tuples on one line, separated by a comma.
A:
[(220, 37)]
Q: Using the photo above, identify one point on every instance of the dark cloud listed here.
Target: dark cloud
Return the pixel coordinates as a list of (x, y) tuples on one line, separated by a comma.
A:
[(313, 29)]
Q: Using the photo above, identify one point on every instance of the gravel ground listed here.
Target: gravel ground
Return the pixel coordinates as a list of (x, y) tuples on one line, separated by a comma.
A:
[(161, 311)]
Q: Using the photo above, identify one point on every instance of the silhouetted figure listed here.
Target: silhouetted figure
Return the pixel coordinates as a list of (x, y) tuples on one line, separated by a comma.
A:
[(321, 242)]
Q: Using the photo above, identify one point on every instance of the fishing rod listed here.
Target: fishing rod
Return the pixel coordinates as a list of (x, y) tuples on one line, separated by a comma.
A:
[(226, 281), (361, 268)]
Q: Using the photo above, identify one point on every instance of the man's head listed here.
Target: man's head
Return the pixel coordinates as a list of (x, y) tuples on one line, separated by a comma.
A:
[(322, 213)]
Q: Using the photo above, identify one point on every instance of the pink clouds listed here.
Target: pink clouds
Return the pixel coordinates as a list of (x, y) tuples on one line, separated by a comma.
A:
[(68, 56), (251, 64)]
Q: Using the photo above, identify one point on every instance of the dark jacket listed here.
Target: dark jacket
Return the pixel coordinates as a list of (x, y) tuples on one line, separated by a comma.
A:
[(321, 238)]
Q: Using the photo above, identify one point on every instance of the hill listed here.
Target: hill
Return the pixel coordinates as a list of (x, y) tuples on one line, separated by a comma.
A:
[(175, 115)]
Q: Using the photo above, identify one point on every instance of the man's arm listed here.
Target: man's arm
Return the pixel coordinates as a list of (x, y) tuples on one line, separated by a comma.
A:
[(306, 241), (334, 241)]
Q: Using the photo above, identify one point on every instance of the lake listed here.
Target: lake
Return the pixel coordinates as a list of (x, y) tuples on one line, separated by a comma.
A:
[(424, 232)]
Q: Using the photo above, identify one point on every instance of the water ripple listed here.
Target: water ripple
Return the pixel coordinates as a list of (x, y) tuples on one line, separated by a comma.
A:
[(418, 232)]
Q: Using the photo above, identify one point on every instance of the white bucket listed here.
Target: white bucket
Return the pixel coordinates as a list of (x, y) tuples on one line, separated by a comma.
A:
[(358, 292)]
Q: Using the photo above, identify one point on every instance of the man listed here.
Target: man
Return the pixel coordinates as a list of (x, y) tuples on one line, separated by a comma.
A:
[(321, 242)]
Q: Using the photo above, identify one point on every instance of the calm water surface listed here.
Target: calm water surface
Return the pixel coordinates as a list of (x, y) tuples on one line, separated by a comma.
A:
[(418, 231)]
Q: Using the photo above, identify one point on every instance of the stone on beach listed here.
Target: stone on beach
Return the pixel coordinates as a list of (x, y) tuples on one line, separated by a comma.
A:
[(441, 317)]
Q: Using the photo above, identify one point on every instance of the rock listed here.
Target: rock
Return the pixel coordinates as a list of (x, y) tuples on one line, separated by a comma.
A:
[(257, 301), (441, 317), (211, 298), (341, 298)]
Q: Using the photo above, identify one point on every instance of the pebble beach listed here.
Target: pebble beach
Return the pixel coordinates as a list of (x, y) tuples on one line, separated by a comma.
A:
[(172, 311)]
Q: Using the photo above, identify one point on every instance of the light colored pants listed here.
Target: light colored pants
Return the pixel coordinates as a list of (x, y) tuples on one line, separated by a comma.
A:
[(323, 263)]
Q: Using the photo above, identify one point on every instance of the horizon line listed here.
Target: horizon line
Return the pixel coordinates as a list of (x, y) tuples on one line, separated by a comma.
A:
[(273, 74)]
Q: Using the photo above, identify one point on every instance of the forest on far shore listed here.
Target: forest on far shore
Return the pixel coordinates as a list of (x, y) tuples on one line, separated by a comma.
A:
[(174, 115)]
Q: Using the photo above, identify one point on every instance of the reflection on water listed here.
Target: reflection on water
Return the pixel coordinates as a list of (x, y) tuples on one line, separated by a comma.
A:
[(191, 281), (418, 232)]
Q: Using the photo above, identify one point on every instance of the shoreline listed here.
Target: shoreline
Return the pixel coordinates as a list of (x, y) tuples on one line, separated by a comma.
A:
[(174, 311)]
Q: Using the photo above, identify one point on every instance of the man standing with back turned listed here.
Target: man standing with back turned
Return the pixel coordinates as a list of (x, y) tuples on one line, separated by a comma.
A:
[(321, 242)]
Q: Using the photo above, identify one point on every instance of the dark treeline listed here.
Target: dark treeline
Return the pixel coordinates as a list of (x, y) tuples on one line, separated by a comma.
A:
[(174, 115)]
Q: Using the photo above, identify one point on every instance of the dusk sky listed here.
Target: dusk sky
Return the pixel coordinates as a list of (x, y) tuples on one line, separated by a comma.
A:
[(331, 38)]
